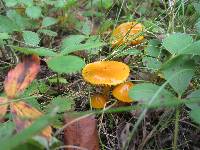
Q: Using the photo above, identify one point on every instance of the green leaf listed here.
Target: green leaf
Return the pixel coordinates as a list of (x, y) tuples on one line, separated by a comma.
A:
[(22, 22), (47, 32), (197, 26), (38, 51), (4, 36), (6, 129), (49, 21), (151, 63), (34, 12), (7, 25), (175, 43), (10, 3), (194, 114), (181, 68), (153, 48), (105, 3), (130, 51), (56, 80), (63, 103), (192, 49), (79, 47), (72, 40), (66, 64), (148, 93), (27, 133), (27, 2), (86, 28), (31, 38), (194, 94), (197, 7)]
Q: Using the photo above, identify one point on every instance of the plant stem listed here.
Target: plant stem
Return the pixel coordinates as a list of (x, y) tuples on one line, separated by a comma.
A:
[(176, 130)]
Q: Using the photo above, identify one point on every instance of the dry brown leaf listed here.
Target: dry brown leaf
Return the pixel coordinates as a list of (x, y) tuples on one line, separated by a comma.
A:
[(21, 76), (81, 133), (24, 115)]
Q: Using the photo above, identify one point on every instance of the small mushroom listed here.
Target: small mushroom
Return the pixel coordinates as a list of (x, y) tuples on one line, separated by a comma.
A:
[(120, 92), (106, 74), (98, 101), (129, 33)]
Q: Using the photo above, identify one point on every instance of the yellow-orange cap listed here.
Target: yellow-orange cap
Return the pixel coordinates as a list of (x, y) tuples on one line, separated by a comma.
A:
[(129, 33), (98, 101), (106, 72), (120, 92)]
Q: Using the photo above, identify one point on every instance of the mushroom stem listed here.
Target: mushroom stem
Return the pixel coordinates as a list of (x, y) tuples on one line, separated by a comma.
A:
[(106, 91)]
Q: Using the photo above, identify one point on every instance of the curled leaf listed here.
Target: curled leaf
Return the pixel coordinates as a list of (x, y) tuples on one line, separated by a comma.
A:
[(3, 107), (24, 115), (81, 133), (21, 76)]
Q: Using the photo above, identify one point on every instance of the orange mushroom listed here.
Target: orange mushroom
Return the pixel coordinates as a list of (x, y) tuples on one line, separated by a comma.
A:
[(129, 33), (98, 101), (105, 73), (120, 92)]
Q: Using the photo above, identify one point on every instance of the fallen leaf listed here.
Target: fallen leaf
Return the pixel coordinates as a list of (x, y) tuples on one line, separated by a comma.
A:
[(21, 76), (24, 115), (81, 133), (3, 107)]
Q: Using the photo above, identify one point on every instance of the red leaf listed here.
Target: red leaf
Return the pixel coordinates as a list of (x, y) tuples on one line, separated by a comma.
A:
[(24, 115), (21, 76), (3, 107), (81, 133)]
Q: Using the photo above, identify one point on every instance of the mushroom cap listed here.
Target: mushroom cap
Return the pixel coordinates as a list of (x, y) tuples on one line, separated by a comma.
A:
[(98, 101), (106, 72), (120, 92), (128, 33)]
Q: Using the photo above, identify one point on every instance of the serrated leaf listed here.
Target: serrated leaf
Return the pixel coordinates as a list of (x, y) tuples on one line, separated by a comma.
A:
[(31, 38), (151, 63), (27, 2), (4, 36), (179, 71), (192, 49), (197, 7), (146, 92), (86, 27), (7, 25), (66, 64), (79, 47), (72, 40), (10, 3), (6, 129), (63, 103), (194, 94), (175, 43), (194, 114), (47, 32), (42, 51), (153, 48), (33, 12), (48, 21), (21, 21), (131, 51), (197, 26), (56, 80)]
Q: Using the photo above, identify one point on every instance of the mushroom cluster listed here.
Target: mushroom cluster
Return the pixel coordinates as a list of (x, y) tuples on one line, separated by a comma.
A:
[(129, 33), (106, 74)]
